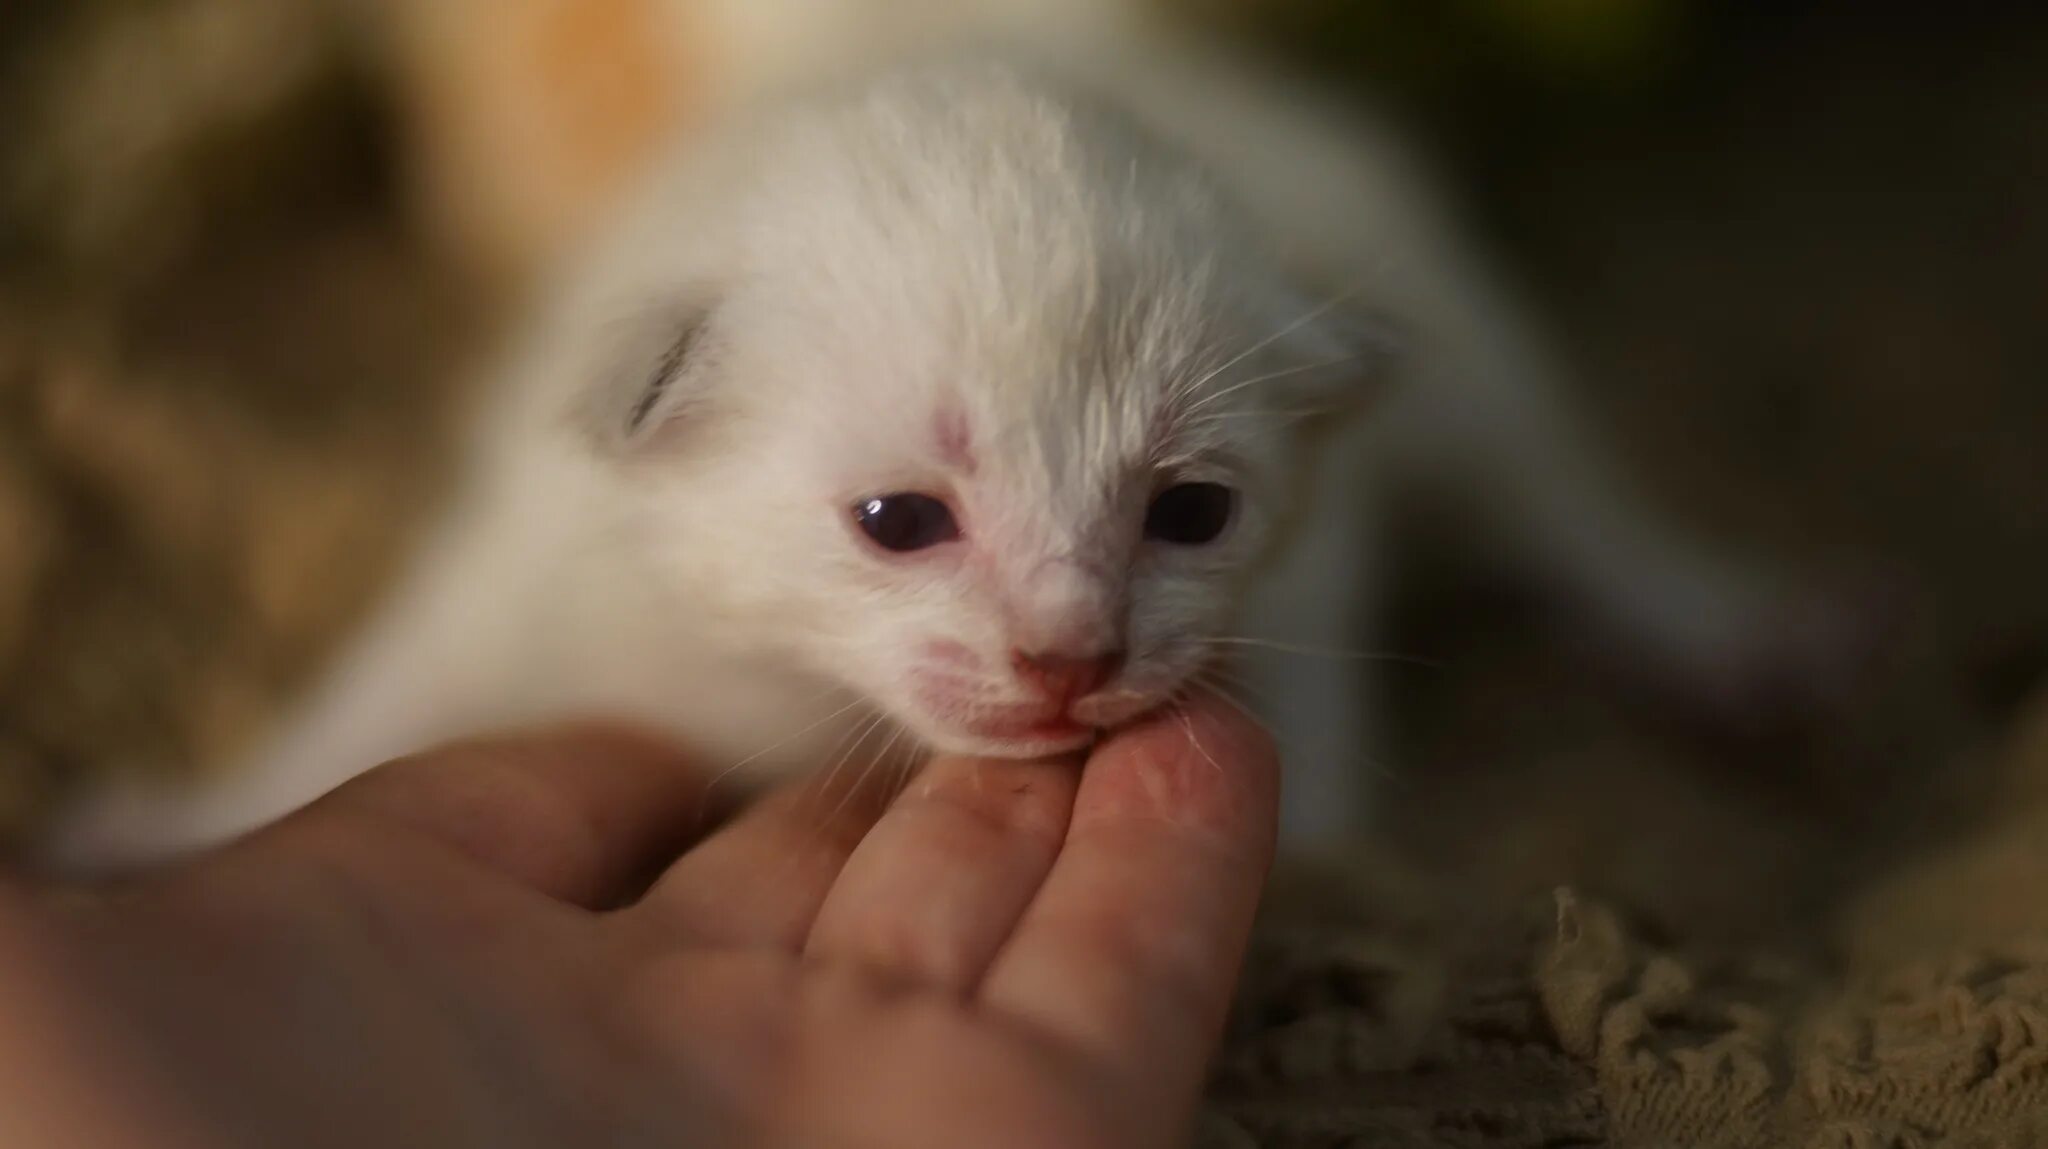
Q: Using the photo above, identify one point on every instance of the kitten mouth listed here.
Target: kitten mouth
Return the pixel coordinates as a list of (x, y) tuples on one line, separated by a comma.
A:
[(1116, 708), (1026, 732), (1057, 728), (1037, 732), (1023, 730)]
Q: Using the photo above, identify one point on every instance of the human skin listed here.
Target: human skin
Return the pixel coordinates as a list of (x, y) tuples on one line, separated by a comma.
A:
[(465, 949)]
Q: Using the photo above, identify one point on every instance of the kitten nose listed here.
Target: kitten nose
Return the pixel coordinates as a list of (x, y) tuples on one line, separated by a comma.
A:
[(1067, 677)]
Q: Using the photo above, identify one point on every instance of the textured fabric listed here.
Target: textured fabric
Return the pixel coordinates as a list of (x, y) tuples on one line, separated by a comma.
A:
[(1371, 1017)]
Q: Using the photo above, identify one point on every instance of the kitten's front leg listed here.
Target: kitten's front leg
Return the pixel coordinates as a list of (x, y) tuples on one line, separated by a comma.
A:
[(1306, 680)]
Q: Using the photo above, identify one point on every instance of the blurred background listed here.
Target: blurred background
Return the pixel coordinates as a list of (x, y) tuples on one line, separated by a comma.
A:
[(252, 251)]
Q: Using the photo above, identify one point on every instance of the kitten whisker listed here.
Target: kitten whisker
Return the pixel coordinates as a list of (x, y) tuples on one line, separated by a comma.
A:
[(1280, 415), (1223, 677), (882, 756), (818, 784), (1313, 314), (841, 754), (1322, 652), (906, 770), (866, 771), (763, 753), (1220, 687), (1268, 377), (1213, 359), (1188, 724), (1210, 679)]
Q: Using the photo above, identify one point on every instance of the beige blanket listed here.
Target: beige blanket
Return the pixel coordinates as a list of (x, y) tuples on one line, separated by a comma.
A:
[(1379, 1012)]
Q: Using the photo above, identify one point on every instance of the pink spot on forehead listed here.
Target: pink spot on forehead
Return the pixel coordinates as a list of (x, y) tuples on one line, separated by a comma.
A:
[(954, 438)]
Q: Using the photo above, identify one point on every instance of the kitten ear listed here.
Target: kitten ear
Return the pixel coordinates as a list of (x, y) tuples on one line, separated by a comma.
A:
[(647, 371)]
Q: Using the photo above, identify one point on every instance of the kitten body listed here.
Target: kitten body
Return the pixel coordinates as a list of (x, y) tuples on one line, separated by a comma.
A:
[(1043, 286)]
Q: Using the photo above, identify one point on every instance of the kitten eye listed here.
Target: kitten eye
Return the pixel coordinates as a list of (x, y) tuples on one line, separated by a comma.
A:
[(1190, 514), (907, 522)]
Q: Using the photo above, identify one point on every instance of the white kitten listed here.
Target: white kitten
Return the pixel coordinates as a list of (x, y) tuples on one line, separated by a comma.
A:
[(975, 405)]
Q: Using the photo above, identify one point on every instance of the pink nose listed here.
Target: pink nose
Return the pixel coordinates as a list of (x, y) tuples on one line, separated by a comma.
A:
[(1064, 677)]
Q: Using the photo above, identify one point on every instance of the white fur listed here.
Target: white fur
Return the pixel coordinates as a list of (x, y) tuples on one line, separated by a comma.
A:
[(1135, 265)]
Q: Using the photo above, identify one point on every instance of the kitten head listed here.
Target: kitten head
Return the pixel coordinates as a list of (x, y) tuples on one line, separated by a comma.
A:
[(966, 396)]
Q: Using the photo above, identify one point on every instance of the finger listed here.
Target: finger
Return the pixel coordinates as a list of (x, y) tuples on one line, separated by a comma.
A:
[(760, 880), (1131, 949), (583, 814), (935, 887)]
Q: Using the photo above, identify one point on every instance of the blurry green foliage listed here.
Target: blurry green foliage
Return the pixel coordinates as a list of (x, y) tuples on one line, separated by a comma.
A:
[(1582, 36), (1458, 60)]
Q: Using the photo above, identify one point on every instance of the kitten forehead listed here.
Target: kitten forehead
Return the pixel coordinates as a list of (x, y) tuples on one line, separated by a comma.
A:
[(1006, 223), (986, 248)]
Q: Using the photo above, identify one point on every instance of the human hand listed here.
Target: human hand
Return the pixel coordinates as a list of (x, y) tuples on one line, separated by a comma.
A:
[(1008, 953)]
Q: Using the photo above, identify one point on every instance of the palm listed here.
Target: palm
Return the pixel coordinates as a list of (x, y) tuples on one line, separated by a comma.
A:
[(1007, 953)]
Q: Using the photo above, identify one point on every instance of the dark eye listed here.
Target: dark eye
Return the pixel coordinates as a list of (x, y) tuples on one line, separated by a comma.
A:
[(905, 523), (1190, 514)]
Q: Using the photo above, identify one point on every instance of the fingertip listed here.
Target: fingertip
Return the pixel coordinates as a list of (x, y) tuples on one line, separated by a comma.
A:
[(1132, 947), (1202, 763), (1205, 717)]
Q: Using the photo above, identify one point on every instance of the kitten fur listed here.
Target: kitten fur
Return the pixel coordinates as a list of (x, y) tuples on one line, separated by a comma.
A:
[(1043, 277)]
